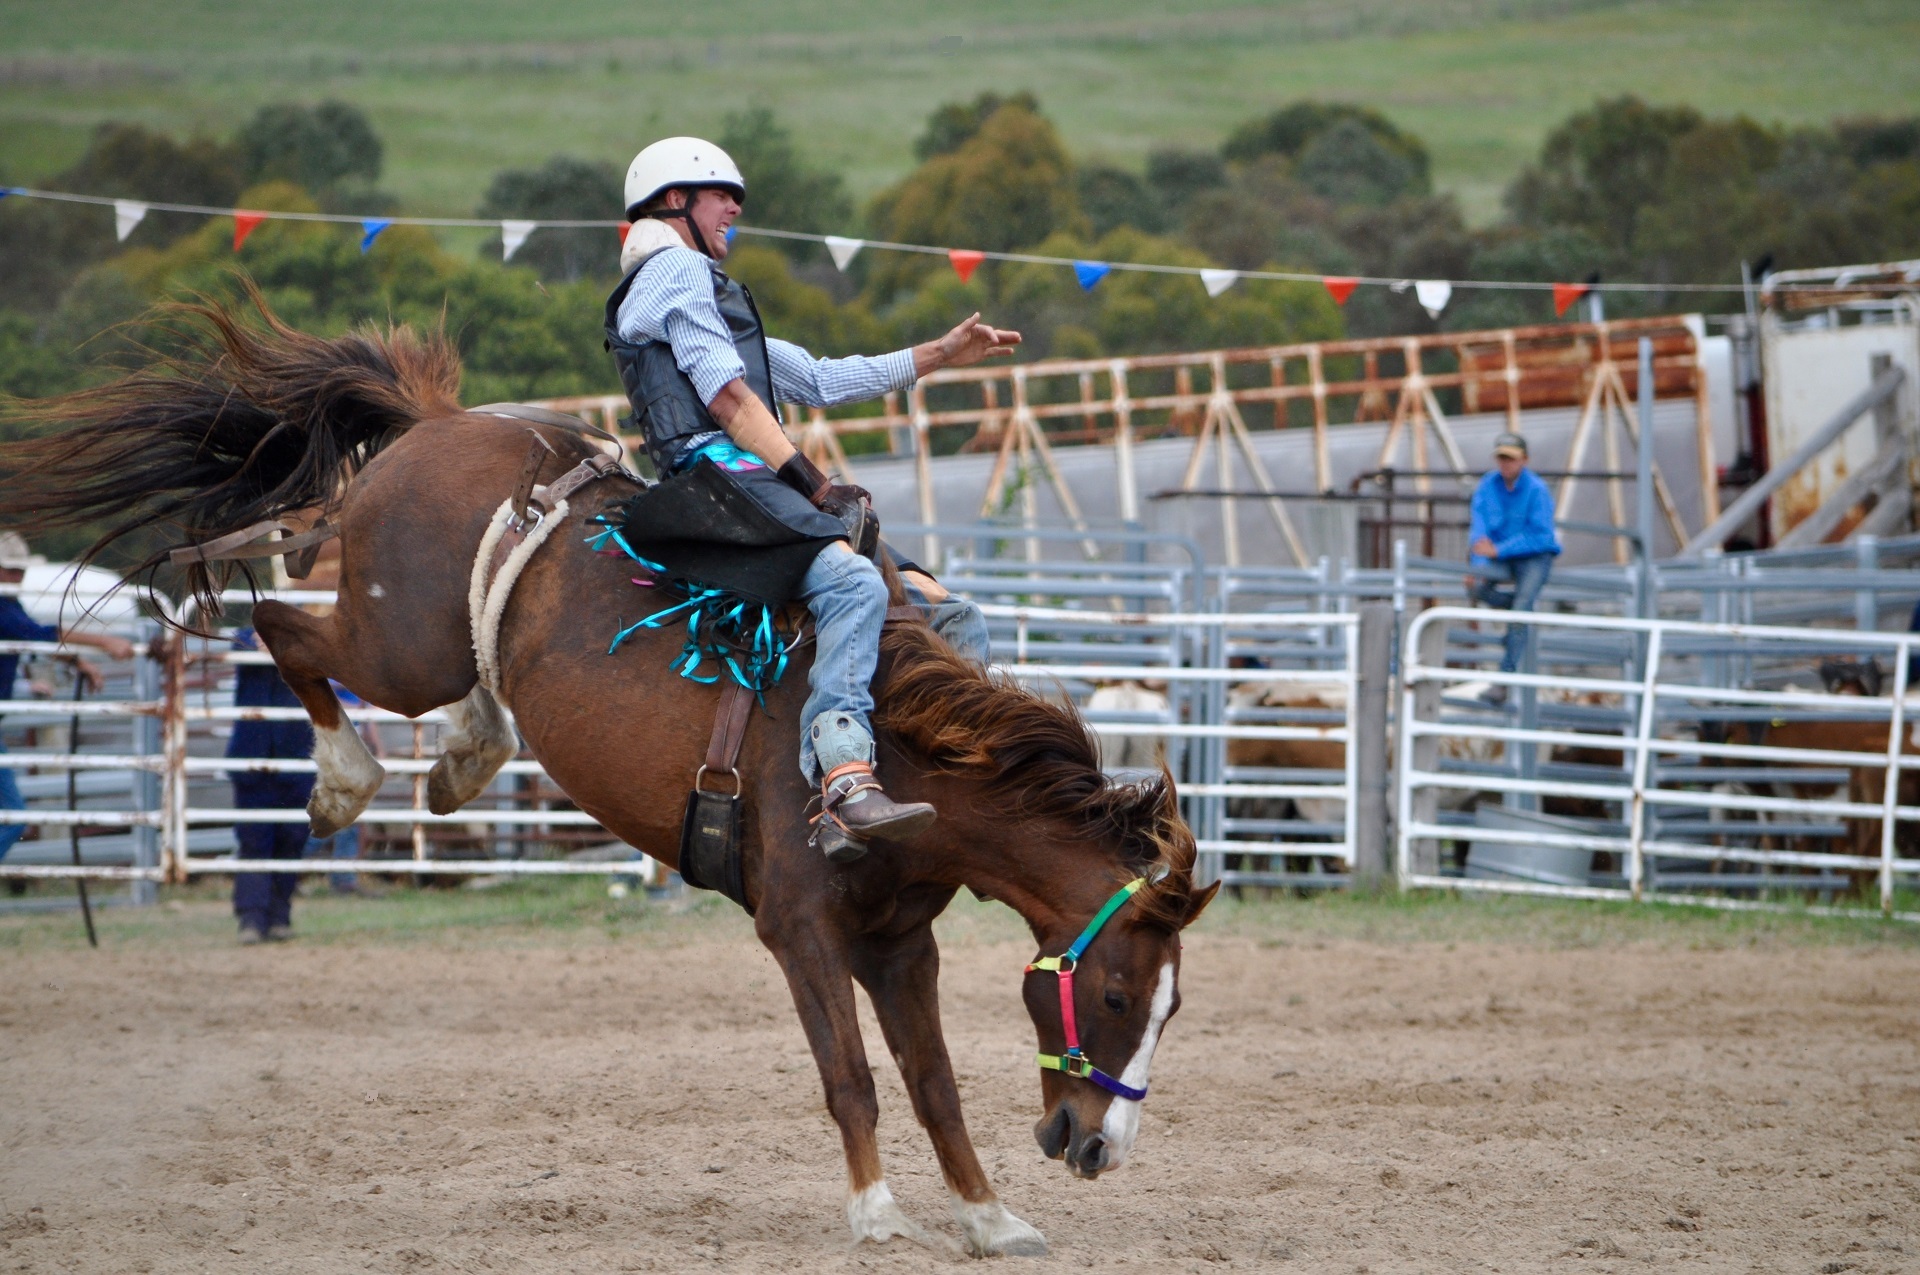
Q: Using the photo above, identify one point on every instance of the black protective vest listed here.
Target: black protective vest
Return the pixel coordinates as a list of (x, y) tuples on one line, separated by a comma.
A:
[(666, 407)]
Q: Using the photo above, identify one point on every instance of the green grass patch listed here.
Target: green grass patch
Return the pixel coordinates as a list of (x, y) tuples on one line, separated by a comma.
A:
[(460, 91), (569, 911)]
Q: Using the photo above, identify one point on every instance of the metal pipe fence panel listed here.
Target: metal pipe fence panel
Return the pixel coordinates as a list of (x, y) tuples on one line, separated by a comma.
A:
[(1759, 805)]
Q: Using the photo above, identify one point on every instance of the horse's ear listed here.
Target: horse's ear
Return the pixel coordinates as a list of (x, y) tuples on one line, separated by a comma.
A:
[(1197, 903)]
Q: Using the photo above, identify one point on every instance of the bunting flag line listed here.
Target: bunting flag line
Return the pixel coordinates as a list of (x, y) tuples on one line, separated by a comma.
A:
[(626, 228), (127, 213), (1433, 295), (512, 235), (843, 251), (1218, 281), (965, 261), (244, 224), (1090, 273)]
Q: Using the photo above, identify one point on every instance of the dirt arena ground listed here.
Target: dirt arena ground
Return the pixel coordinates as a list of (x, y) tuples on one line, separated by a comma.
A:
[(1346, 1090)]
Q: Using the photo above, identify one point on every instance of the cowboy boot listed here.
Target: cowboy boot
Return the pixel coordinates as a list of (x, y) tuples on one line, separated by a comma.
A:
[(853, 807)]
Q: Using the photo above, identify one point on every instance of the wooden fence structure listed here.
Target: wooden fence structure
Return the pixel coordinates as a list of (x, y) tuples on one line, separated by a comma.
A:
[(1220, 398)]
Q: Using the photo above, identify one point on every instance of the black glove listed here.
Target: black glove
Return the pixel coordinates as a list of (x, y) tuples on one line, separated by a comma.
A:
[(852, 505)]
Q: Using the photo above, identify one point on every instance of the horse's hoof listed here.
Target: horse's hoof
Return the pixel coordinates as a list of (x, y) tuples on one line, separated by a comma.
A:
[(875, 1217), (992, 1231)]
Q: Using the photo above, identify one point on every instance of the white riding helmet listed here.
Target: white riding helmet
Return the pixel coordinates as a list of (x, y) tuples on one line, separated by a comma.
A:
[(14, 553), (680, 161)]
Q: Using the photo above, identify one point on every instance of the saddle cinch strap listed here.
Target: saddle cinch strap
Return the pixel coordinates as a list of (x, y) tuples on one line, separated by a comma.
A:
[(1073, 1062), (710, 852)]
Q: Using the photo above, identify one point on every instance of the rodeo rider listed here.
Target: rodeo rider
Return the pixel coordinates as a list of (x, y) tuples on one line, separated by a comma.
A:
[(704, 379)]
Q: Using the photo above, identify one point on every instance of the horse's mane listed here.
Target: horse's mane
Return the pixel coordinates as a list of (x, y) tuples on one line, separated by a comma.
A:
[(1036, 759)]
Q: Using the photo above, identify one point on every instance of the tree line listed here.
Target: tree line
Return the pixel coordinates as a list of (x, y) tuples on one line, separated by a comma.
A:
[(1624, 190)]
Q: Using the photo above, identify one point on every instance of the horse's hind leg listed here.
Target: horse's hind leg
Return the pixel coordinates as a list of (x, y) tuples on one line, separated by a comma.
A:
[(304, 652), (479, 742)]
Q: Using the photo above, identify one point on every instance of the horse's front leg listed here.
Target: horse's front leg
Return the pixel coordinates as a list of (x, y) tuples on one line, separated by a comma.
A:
[(820, 977), (902, 976)]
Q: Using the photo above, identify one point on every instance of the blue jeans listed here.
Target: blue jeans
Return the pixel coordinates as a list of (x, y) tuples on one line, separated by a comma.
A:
[(344, 844), (10, 799), (1525, 576), (848, 600), (265, 899)]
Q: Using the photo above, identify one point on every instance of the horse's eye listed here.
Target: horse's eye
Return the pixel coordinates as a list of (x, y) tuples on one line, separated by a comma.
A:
[(1116, 1002)]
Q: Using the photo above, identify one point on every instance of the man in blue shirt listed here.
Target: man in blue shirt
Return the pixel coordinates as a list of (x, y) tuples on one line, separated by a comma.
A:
[(1511, 538), (704, 379), (17, 626)]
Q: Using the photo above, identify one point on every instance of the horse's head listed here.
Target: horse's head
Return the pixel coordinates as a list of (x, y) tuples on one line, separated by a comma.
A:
[(1101, 1006), (1029, 771)]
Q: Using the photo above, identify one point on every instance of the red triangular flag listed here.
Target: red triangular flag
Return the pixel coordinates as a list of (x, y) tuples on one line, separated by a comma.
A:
[(965, 261), (243, 225), (625, 226), (1339, 287), (1565, 294)]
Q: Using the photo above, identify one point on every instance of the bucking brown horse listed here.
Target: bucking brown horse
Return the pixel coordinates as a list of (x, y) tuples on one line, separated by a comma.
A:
[(245, 419)]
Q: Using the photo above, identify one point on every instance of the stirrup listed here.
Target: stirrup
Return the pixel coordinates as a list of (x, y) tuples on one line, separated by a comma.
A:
[(831, 836)]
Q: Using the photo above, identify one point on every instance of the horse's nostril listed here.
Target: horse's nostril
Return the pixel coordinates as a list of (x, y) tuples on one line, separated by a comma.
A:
[(1093, 1154), (1053, 1134)]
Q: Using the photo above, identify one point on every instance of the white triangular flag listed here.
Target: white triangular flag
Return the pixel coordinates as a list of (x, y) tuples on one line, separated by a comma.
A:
[(512, 235), (844, 250), (1218, 281), (1433, 295), (127, 213)]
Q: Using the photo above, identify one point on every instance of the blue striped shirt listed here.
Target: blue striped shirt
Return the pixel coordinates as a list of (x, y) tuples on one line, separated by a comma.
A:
[(672, 301)]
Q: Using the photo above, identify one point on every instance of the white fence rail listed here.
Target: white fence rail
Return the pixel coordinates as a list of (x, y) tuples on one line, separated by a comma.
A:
[(1203, 677), (1667, 710)]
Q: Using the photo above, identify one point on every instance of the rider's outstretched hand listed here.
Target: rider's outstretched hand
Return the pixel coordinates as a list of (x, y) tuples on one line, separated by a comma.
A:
[(968, 343)]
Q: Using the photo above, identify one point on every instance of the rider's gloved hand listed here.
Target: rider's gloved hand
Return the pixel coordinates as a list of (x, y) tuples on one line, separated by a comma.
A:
[(851, 504)]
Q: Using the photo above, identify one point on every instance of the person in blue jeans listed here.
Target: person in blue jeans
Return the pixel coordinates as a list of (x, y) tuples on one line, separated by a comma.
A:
[(263, 901), (1511, 538), (17, 626)]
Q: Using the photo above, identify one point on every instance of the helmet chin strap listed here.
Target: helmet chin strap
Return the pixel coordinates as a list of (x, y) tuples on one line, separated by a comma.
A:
[(685, 213)]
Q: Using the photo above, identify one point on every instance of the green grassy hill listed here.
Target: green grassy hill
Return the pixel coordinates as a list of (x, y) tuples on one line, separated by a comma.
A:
[(461, 90)]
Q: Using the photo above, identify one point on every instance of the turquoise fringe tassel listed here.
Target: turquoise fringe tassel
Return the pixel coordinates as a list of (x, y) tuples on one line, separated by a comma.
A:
[(736, 635)]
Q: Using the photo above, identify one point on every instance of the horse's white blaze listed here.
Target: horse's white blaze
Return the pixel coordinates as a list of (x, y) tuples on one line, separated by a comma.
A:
[(874, 1216), (349, 776), (1122, 1123), (991, 1231)]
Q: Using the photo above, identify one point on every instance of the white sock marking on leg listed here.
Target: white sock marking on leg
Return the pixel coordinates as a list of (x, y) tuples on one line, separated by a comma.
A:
[(991, 1231), (1122, 1123), (874, 1216), (349, 776)]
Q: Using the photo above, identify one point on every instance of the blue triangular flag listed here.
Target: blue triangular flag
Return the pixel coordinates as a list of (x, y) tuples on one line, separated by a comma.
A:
[(1090, 273), (373, 226), (731, 232)]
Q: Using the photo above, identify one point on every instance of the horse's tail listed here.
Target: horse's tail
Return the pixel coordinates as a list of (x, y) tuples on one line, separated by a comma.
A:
[(240, 420)]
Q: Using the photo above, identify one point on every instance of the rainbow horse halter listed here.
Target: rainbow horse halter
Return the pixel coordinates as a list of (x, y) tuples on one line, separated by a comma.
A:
[(1073, 1062)]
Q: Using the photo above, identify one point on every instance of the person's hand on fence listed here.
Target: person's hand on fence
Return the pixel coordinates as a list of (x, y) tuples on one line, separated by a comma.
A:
[(116, 648), (89, 672), (1485, 548)]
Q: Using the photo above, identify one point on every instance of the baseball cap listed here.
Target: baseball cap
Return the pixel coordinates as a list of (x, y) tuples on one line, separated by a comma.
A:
[(1509, 444)]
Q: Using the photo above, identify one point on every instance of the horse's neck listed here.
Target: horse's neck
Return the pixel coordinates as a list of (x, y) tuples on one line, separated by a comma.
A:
[(1055, 885)]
